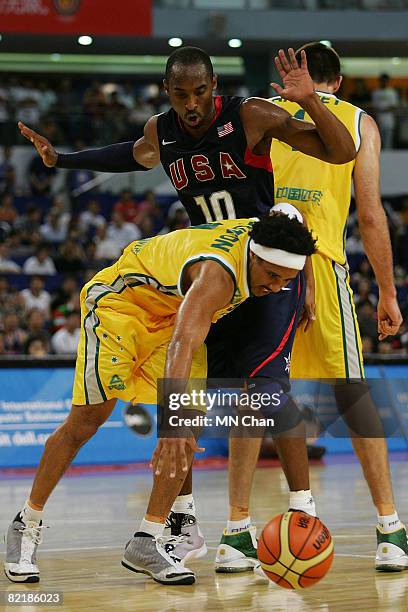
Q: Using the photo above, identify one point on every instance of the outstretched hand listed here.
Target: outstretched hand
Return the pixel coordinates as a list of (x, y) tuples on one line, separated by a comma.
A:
[(297, 82), (44, 148), (171, 454)]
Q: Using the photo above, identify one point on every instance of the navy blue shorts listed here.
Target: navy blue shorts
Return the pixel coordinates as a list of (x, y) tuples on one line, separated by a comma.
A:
[(256, 339)]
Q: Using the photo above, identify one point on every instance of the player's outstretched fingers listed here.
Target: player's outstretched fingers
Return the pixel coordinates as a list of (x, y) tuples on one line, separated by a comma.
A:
[(292, 58), (284, 61)]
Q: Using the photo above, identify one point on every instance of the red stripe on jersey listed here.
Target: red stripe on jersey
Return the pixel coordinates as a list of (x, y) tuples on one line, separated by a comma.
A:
[(258, 161), (281, 344)]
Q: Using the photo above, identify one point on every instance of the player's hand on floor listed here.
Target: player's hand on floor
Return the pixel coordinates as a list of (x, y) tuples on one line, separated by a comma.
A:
[(389, 316), (45, 149), (297, 82), (171, 452)]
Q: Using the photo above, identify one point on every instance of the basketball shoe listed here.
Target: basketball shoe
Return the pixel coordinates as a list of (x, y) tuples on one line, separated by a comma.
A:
[(146, 554), (188, 543), (392, 551), (22, 540), (237, 552)]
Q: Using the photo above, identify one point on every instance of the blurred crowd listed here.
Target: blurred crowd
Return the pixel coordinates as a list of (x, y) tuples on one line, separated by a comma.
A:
[(76, 112), (51, 241)]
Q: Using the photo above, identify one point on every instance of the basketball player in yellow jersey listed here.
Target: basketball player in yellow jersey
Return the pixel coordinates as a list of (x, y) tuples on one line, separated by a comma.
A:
[(322, 193), (146, 317)]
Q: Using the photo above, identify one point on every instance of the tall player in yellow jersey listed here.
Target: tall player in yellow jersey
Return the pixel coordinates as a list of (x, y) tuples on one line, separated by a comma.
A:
[(144, 318), (322, 193)]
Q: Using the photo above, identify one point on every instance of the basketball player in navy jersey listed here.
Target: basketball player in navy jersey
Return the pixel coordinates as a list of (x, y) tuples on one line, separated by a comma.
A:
[(215, 149)]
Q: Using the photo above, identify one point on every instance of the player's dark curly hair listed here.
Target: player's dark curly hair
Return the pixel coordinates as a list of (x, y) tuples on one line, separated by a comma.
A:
[(323, 62), (189, 56), (279, 231)]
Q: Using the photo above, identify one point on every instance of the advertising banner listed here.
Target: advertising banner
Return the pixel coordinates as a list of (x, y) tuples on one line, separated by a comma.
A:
[(34, 401), (126, 18)]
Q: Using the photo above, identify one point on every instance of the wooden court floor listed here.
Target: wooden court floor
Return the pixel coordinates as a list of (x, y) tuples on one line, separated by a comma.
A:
[(91, 518)]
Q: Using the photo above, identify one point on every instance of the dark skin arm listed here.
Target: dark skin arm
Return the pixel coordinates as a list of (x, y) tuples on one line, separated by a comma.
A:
[(328, 139), (209, 288)]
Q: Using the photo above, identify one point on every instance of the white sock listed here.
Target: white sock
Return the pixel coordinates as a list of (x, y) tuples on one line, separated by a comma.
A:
[(302, 500), (389, 523), (29, 514), (184, 504), (151, 528), (236, 526)]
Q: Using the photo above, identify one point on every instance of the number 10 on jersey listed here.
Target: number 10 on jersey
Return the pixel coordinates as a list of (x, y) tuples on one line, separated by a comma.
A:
[(220, 206)]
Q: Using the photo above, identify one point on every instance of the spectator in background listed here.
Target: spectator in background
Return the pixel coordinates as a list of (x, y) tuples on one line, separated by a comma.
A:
[(2, 346), (106, 248), (70, 257), (116, 125), (66, 292), (29, 222), (127, 206), (126, 96), (8, 212), (364, 293), (35, 321), (65, 340), (149, 217), (7, 172), (36, 346), (35, 296), (76, 178), (361, 95), (6, 124), (40, 263), (14, 335), (54, 230), (90, 219), (48, 98), (40, 177), (385, 102), (367, 344), (61, 313), (354, 244), (50, 130), (367, 320), (121, 232), (7, 265)]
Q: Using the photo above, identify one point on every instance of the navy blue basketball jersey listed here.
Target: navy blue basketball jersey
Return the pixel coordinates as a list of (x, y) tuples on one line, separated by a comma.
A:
[(216, 177)]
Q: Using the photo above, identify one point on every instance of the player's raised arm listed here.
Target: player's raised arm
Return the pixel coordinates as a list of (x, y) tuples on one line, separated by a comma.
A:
[(210, 289), (374, 227), (328, 139), (143, 154)]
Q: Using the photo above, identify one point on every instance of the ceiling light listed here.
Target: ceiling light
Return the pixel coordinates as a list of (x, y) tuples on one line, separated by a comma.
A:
[(235, 43), (175, 42), (85, 40)]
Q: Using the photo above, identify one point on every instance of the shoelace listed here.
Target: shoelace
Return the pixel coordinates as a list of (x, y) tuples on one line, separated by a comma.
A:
[(162, 541), (34, 533), (28, 544)]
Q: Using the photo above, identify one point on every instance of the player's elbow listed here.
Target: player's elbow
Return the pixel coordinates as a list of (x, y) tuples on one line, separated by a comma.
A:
[(343, 153)]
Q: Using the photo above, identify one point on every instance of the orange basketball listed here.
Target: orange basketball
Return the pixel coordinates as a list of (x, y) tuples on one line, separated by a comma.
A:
[(295, 550)]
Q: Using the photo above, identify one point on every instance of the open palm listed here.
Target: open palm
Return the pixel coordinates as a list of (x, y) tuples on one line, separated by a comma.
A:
[(297, 82)]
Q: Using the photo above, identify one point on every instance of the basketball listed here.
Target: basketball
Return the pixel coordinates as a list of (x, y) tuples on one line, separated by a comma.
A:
[(295, 550)]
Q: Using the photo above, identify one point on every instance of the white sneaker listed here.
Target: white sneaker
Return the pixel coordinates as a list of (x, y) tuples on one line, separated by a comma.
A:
[(237, 552), (22, 540), (186, 542), (147, 555), (392, 551)]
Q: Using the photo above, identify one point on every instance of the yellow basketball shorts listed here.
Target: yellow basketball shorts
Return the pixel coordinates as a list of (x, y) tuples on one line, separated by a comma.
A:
[(122, 347), (331, 347)]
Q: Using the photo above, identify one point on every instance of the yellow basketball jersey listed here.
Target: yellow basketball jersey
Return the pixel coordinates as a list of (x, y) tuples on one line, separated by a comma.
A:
[(154, 267), (321, 191)]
